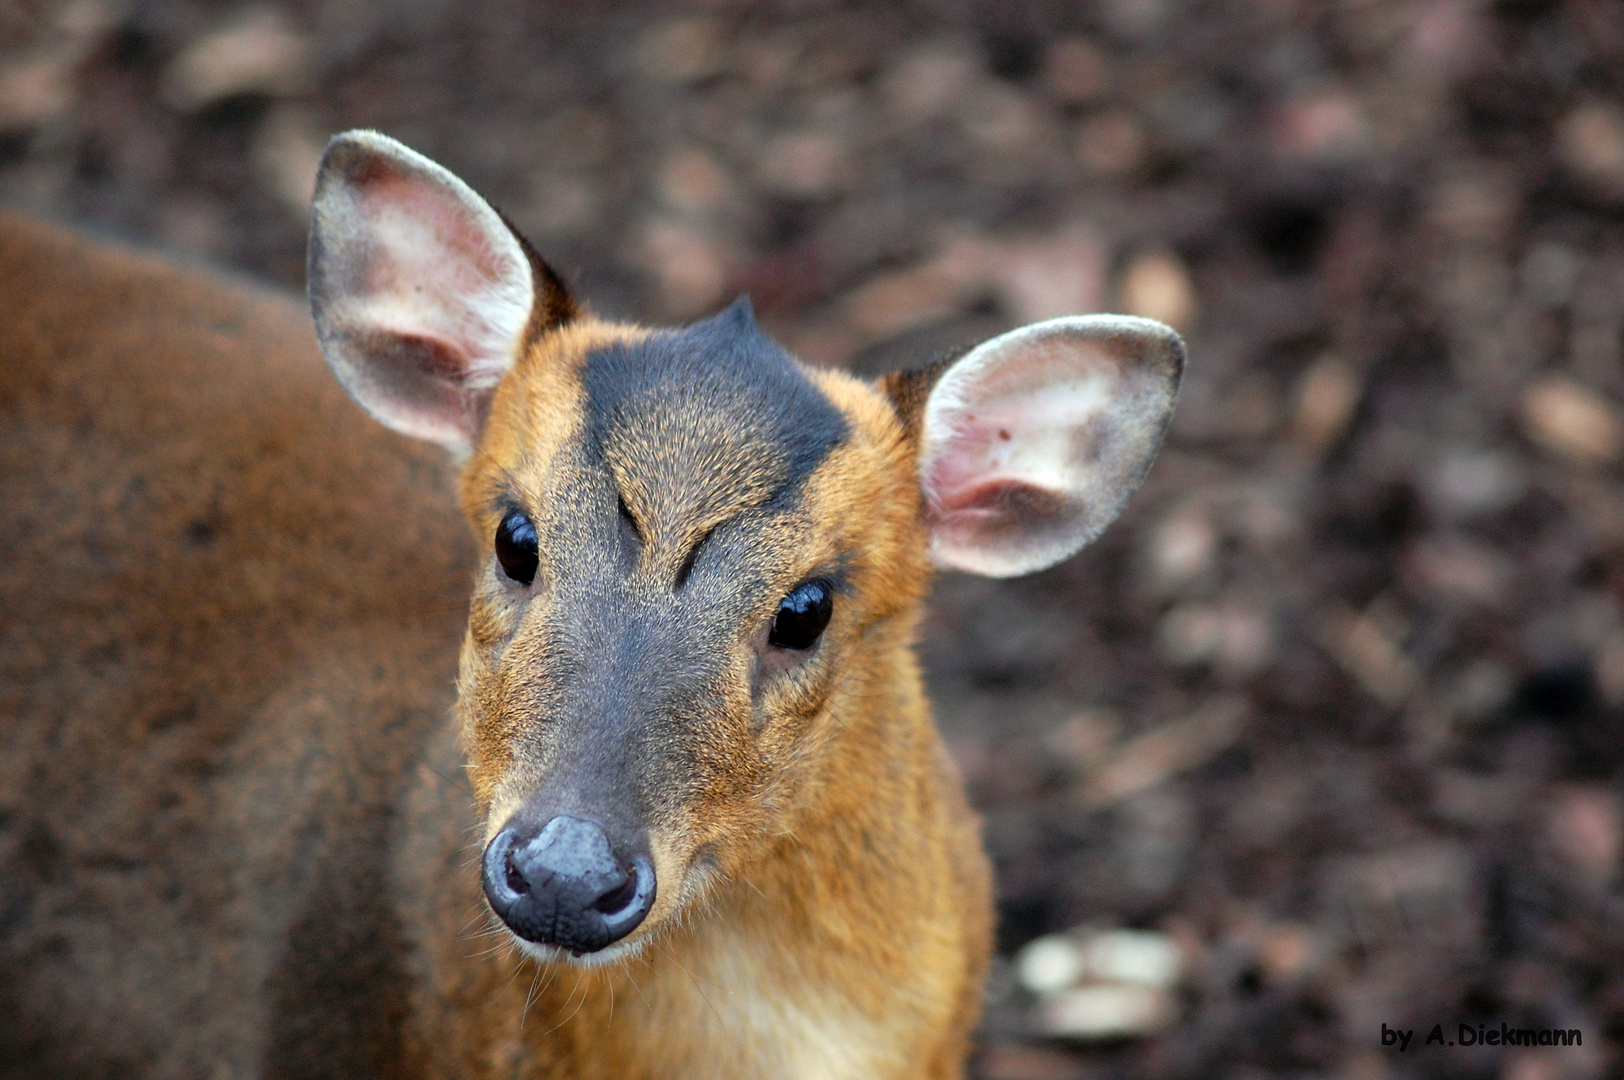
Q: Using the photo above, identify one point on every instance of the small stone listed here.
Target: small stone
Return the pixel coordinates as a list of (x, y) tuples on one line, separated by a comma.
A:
[(1043, 278), (904, 299), (806, 164), (1191, 115), (1409, 895), (1477, 206), (1291, 951), (929, 81), (1328, 127), (286, 154), (83, 20), (1470, 482), (574, 139), (1597, 505), (1137, 957), (693, 268), (767, 62), (1155, 285), (1235, 639), (561, 204), (1537, 1065), (1265, 514), (1590, 142), (1141, 21), (692, 181), (1481, 690), (1050, 964), (1573, 421), (256, 53), (1181, 552), (1151, 759), (1003, 124), (1152, 841), (1076, 71), (36, 89), (1112, 144), (688, 49), (1445, 37), (1269, 809), (1364, 1065), (1093, 1013), (1461, 569), (1369, 651), (1549, 274), (896, 302), (1593, 617), (1469, 798), (1584, 826), (824, 342), (1249, 410), (1328, 396), (1595, 351), (1086, 737)]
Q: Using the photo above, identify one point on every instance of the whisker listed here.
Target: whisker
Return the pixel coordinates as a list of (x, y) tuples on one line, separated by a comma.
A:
[(698, 985), (529, 998)]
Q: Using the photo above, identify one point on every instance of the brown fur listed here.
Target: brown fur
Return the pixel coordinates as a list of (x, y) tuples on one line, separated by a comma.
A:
[(235, 832)]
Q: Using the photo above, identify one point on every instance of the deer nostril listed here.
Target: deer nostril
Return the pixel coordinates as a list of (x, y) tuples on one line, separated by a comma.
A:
[(515, 880), (616, 899)]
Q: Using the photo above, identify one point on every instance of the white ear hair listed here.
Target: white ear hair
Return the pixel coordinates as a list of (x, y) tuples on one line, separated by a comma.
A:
[(1031, 443), (420, 291)]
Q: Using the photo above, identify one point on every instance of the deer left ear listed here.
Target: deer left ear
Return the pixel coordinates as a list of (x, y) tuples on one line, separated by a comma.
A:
[(421, 292), (1031, 443)]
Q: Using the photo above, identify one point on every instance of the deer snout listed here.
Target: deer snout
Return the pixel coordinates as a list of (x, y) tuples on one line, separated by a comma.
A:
[(565, 884)]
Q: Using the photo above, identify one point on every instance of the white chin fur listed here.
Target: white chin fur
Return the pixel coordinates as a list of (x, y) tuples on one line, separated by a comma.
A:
[(552, 954)]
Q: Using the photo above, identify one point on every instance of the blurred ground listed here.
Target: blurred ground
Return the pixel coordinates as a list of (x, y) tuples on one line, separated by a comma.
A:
[(1338, 704)]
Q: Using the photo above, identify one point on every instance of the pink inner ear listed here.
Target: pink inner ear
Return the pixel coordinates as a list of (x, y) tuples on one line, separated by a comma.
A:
[(426, 254), (975, 471), (433, 272), (990, 503), (977, 506), (435, 238), (1033, 440), (420, 290)]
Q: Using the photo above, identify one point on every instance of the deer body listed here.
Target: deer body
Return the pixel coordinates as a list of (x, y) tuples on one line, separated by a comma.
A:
[(202, 743), (686, 815)]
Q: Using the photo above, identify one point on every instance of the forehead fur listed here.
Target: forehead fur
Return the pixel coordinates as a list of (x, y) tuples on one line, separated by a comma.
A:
[(698, 421)]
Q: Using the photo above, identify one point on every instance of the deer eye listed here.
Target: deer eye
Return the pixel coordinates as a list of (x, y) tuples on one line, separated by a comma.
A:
[(802, 616), (516, 547)]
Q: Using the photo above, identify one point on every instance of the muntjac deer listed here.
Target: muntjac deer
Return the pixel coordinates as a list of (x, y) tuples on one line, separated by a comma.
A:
[(687, 814)]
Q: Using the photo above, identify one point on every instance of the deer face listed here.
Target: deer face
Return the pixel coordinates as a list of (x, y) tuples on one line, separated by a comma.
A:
[(705, 537), (702, 559)]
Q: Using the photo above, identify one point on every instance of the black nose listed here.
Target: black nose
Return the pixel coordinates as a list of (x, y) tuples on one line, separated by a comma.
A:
[(565, 886)]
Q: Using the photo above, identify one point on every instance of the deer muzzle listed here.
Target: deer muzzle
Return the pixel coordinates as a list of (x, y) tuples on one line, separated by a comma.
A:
[(566, 885)]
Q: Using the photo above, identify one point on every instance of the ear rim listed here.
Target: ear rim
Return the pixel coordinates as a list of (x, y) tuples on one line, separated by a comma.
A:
[(547, 300), (926, 398)]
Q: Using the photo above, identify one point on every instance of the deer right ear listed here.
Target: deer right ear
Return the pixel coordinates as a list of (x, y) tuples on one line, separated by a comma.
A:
[(1030, 444), (422, 294)]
